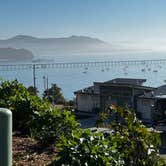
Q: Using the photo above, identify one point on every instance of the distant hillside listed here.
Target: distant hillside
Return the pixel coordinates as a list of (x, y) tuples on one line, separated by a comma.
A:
[(72, 44), (73, 39), (11, 54)]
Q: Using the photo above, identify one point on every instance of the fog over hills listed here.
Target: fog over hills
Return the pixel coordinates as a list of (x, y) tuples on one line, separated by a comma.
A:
[(65, 45), (73, 45), (11, 54)]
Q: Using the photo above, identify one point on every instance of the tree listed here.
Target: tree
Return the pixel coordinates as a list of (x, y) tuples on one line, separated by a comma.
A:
[(71, 102), (32, 90), (54, 95)]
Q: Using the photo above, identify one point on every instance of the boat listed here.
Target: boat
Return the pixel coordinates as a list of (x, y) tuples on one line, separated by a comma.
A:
[(85, 72), (102, 70)]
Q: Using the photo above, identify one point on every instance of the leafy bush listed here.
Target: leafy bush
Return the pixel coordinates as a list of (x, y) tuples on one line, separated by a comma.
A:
[(32, 90), (34, 116), (127, 142), (52, 124), (16, 97), (88, 148), (132, 139)]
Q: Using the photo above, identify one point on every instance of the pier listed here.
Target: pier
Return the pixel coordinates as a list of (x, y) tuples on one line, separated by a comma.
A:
[(32, 66)]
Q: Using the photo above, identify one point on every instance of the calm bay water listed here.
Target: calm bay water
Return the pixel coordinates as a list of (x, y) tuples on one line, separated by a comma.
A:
[(72, 79)]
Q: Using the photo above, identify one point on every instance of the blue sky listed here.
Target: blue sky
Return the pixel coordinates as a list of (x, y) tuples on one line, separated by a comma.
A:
[(109, 20)]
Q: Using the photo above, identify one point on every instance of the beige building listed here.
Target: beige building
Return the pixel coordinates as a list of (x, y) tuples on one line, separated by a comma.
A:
[(120, 91)]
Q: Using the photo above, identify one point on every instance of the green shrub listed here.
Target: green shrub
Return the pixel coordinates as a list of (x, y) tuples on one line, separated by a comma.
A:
[(127, 142), (33, 116), (52, 124), (87, 148), (16, 97)]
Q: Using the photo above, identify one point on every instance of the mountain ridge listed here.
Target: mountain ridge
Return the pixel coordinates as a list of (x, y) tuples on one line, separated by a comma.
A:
[(67, 45), (73, 37)]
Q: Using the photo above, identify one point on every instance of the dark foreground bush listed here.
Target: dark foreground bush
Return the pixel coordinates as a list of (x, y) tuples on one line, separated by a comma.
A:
[(33, 116), (88, 148), (126, 142), (16, 97), (52, 124)]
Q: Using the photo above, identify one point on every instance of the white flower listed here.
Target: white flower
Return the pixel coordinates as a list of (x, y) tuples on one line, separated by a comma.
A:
[(81, 140), (91, 138)]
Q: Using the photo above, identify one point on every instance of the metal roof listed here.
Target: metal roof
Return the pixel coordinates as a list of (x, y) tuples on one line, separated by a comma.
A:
[(88, 90), (118, 82), (135, 81), (159, 92)]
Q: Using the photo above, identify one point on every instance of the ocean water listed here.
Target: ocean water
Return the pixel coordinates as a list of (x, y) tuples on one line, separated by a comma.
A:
[(73, 79)]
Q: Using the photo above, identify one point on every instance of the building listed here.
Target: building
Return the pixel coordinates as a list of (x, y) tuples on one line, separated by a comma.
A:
[(122, 92), (148, 102), (151, 106), (88, 99), (119, 91)]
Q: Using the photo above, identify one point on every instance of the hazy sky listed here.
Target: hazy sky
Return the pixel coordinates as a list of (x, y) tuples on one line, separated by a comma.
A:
[(109, 20)]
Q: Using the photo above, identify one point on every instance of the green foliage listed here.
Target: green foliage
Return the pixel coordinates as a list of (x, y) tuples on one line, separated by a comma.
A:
[(133, 141), (52, 124), (34, 116), (88, 148), (15, 97), (127, 142), (32, 90), (101, 120), (54, 95), (71, 102)]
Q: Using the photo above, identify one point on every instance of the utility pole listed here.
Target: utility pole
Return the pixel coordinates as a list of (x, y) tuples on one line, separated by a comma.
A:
[(47, 82), (47, 86), (44, 78), (34, 75)]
